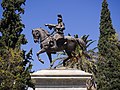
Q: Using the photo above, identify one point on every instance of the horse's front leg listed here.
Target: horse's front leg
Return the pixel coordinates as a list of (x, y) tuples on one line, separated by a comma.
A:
[(50, 58), (39, 52)]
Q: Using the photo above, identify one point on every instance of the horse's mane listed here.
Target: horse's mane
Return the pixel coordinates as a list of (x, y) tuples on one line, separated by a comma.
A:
[(39, 29)]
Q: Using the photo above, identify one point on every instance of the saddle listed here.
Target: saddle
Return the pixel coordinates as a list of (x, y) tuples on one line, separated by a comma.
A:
[(57, 40)]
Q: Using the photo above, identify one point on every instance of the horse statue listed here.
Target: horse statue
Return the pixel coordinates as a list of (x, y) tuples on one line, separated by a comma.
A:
[(49, 45)]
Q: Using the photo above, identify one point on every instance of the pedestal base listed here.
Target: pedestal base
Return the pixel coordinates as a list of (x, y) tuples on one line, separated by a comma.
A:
[(60, 79)]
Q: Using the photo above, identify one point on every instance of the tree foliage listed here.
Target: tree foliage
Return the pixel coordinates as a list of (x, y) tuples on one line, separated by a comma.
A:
[(15, 69), (108, 67), (15, 64)]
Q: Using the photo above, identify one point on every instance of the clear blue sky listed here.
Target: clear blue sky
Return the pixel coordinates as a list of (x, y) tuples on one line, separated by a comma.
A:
[(80, 17)]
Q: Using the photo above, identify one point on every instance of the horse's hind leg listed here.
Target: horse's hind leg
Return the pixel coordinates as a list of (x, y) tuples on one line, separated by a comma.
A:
[(64, 61), (39, 52), (69, 56)]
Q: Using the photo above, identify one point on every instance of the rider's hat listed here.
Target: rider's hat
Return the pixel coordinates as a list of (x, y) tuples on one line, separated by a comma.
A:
[(59, 16)]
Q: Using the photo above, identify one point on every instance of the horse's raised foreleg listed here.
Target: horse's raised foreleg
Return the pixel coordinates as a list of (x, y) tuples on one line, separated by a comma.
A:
[(39, 52)]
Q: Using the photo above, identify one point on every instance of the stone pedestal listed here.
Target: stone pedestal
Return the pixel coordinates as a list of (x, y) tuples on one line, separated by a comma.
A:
[(60, 79)]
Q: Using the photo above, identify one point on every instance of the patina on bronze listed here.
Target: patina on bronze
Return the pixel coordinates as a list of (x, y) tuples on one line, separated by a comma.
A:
[(55, 42)]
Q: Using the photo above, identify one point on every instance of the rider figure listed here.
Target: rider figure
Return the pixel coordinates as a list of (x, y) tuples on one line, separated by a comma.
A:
[(58, 30)]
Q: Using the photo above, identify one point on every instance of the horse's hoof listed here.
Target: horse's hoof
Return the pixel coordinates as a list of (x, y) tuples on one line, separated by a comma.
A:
[(55, 67), (41, 61), (51, 65)]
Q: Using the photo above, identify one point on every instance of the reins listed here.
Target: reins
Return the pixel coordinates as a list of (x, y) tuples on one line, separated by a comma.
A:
[(45, 37)]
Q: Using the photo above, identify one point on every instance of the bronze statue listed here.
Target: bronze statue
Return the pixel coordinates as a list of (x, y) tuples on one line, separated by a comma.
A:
[(52, 43)]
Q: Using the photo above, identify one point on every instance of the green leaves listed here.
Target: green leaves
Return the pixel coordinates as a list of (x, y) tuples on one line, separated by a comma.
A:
[(15, 68)]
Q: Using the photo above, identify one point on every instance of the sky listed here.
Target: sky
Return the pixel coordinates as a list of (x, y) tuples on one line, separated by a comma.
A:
[(81, 17)]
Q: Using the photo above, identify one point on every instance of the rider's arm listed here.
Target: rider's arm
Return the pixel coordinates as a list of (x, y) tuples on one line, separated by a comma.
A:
[(50, 26)]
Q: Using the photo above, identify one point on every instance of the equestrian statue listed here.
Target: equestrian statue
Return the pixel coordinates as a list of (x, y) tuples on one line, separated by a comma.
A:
[(55, 41)]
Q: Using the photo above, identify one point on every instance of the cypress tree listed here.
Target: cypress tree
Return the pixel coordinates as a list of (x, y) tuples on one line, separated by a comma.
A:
[(108, 67), (15, 64)]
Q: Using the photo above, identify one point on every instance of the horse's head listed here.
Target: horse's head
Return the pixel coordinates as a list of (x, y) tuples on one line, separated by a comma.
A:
[(40, 33), (36, 35)]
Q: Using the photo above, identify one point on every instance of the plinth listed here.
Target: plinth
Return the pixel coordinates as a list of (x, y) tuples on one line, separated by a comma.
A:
[(60, 79)]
